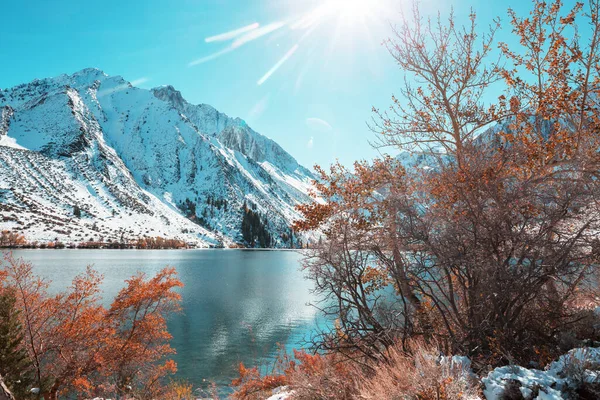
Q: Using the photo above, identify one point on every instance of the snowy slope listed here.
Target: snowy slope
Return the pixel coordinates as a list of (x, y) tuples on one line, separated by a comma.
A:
[(134, 160)]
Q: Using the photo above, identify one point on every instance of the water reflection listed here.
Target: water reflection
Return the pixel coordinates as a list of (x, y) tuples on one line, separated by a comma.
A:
[(237, 305)]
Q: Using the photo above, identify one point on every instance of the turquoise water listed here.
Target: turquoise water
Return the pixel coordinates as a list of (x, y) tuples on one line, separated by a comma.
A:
[(237, 305)]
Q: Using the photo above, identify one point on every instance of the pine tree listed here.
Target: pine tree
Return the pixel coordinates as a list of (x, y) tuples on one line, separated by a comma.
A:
[(254, 230), (15, 365)]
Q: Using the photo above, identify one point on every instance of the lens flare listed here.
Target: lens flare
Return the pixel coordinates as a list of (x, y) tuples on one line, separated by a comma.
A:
[(278, 65), (336, 19), (232, 34)]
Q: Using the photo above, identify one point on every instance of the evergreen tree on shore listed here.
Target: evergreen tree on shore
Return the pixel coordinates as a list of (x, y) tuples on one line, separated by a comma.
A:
[(15, 366)]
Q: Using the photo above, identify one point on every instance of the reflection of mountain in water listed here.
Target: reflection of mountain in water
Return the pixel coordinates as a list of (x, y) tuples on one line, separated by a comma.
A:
[(238, 313)]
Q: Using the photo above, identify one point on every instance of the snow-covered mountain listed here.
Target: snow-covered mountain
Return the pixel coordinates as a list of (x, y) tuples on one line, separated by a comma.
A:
[(136, 163)]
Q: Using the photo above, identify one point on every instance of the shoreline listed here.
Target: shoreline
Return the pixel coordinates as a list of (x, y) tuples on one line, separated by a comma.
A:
[(114, 249)]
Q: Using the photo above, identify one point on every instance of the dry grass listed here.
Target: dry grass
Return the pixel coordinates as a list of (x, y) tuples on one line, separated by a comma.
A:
[(324, 377), (417, 374)]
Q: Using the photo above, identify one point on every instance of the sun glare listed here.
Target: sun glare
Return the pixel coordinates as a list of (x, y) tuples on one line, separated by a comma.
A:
[(338, 23), (353, 10), (349, 12)]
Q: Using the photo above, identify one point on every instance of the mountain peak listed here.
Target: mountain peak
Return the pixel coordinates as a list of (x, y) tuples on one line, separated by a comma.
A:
[(169, 94), (83, 78), (89, 73)]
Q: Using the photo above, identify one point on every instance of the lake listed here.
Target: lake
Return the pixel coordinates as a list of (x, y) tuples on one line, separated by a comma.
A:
[(237, 305)]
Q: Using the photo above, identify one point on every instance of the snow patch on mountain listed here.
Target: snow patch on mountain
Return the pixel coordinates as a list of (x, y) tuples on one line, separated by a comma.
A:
[(142, 161)]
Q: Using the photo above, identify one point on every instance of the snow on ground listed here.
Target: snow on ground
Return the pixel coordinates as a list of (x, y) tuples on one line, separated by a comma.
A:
[(38, 196), (567, 373), (281, 393)]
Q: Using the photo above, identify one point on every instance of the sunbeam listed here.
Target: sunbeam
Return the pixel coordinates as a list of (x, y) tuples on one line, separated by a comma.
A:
[(278, 64), (340, 21), (242, 39), (211, 56), (232, 34), (257, 33)]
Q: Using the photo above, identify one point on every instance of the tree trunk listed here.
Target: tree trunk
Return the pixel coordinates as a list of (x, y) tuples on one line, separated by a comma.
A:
[(5, 394), (53, 394)]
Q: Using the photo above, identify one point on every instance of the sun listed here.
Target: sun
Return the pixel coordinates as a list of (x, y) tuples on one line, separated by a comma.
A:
[(333, 25), (347, 11), (353, 10)]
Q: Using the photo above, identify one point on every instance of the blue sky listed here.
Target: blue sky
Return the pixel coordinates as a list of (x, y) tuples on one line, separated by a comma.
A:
[(316, 104)]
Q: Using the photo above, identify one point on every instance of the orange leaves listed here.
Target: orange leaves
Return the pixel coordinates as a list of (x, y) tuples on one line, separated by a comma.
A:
[(160, 243), (375, 279), (78, 345), (250, 384), (309, 375), (180, 390), (353, 198), (11, 239), (142, 293), (311, 364), (314, 214), (560, 82), (76, 331), (515, 104), (138, 317)]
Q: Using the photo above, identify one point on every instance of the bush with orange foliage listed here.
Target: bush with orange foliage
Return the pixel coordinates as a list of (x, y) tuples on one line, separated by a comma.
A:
[(11, 239), (310, 376), (252, 386), (154, 243), (79, 347), (319, 376), (416, 372), (179, 390)]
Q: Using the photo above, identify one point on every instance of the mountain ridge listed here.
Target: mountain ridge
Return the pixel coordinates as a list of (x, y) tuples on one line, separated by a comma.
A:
[(194, 170)]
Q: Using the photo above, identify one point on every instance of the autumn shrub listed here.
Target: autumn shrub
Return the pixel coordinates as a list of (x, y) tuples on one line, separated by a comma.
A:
[(179, 390), (11, 239), (256, 382), (413, 370), (77, 346), (324, 377), (154, 243), (251, 385), (310, 376)]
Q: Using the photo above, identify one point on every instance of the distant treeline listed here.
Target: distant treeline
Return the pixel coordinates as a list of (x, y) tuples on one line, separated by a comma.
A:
[(12, 240)]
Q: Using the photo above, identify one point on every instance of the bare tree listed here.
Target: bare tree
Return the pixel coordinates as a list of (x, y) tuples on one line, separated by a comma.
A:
[(488, 251), (448, 68)]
